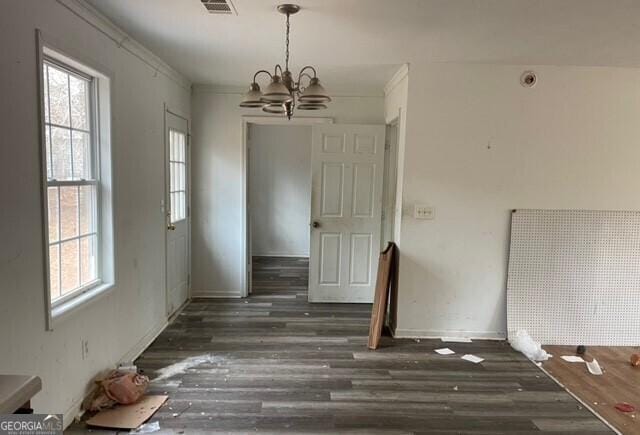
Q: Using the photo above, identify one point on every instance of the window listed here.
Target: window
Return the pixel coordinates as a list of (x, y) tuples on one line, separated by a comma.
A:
[(177, 176), (76, 211)]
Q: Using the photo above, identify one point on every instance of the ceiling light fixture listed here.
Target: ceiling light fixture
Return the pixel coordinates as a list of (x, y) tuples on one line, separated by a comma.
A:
[(280, 95)]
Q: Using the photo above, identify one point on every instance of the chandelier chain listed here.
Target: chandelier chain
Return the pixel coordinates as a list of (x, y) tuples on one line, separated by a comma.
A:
[(287, 46)]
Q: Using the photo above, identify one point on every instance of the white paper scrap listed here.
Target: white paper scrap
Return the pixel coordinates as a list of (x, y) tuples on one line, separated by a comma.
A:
[(456, 339), (594, 367), (472, 358), (572, 358), (445, 351)]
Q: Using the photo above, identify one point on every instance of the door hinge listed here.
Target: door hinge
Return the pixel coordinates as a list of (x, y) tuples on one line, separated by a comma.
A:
[(387, 146), (189, 279), (188, 211)]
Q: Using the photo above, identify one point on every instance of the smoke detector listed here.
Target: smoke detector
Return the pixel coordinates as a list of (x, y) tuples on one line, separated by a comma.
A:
[(219, 6), (528, 79)]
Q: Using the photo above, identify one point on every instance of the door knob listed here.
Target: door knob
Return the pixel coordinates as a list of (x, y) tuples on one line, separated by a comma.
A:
[(171, 227), (315, 224)]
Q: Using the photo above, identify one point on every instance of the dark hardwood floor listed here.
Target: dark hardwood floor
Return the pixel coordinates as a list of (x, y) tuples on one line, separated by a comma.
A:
[(277, 364)]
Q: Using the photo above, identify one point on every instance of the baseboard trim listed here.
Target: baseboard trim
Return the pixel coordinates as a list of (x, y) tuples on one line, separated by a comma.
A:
[(427, 333), (204, 294), (282, 255), (74, 410), (339, 301)]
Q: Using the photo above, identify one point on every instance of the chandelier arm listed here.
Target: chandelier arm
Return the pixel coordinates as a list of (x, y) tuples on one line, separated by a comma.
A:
[(299, 86), (259, 72), (301, 73), (276, 69)]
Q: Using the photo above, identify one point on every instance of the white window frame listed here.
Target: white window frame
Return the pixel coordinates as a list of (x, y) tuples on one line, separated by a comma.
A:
[(184, 166), (101, 161)]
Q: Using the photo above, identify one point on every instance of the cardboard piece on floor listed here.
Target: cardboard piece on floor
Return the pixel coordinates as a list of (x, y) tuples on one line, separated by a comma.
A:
[(445, 351), (128, 416)]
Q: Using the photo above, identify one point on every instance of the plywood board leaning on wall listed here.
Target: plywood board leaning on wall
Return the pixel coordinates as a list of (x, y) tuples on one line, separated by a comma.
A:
[(385, 278)]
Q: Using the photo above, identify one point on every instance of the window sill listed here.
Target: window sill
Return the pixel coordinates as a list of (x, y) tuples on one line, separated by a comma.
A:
[(80, 301)]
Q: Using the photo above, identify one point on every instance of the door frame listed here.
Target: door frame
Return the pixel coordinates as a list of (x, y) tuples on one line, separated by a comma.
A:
[(246, 213), (168, 111), (390, 181)]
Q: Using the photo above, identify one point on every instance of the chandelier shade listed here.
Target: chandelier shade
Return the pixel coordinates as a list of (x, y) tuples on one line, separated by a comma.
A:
[(276, 92), (253, 97), (275, 108), (311, 106), (283, 91), (314, 93)]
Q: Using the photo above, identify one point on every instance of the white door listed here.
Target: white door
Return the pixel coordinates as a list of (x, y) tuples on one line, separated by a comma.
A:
[(346, 207), (177, 211)]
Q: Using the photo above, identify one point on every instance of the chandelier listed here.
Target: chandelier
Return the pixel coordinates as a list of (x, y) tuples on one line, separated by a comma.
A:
[(283, 94)]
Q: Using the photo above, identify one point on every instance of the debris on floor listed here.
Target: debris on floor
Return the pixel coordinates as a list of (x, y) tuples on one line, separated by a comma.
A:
[(184, 365), (635, 359), (117, 387), (455, 339), (128, 416), (147, 427), (444, 351), (581, 350), (522, 342), (472, 358), (572, 358), (594, 367), (625, 407)]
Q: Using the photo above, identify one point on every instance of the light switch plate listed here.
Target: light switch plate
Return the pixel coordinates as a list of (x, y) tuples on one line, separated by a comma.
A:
[(421, 211)]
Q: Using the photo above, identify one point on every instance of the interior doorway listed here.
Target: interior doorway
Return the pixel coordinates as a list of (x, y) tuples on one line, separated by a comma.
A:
[(277, 189), (314, 195)]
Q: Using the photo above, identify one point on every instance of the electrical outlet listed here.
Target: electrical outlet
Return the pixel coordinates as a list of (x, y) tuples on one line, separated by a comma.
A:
[(85, 349), (421, 211)]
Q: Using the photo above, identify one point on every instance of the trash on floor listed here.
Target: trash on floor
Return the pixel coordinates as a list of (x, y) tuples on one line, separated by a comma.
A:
[(594, 367), (456, 339), (572, 358), (444, 351), (625, 407), (147, 427), (472, 358), (117, 387), (635, 359), (128, 416), (184, 365), (522, 342)]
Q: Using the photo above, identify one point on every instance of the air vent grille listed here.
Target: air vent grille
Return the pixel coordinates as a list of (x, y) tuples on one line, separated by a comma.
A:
[(218, 6)]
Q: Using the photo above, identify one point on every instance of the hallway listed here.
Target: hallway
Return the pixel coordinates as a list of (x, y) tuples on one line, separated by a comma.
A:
[(279, 364)]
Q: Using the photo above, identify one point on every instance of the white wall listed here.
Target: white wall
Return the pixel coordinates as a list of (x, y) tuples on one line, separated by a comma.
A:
[(479, 144), (217, 191), (121, 322), (280, 189)]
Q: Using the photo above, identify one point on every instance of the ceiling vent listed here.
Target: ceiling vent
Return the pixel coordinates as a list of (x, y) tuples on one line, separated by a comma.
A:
[(219, 6)]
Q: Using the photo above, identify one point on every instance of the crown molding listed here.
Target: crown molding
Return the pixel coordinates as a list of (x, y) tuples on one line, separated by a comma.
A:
[(96, 19), (399, 75)]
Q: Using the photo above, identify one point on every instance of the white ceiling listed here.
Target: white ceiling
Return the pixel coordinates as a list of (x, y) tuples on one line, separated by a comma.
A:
[(358, 44)]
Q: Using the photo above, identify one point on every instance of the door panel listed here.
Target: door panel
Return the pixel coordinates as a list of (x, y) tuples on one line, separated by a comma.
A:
[(332, 189), (347, 162), (177, 206)]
